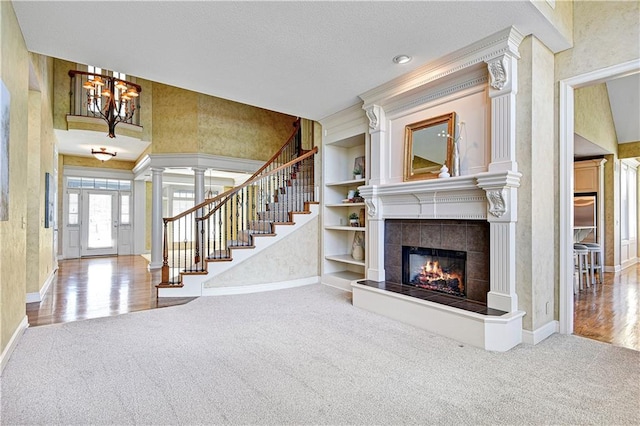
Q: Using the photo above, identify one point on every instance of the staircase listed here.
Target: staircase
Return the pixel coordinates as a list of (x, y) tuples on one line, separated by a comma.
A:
[(221, 232)]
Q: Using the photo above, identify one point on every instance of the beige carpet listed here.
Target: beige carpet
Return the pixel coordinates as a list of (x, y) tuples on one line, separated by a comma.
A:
[(304, 356)]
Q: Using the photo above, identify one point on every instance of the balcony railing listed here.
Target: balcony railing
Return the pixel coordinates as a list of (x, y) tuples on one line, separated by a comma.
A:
[(108, 102)]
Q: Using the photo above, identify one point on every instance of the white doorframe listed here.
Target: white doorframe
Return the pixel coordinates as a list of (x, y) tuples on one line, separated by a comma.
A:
[(566, 130), (86, 220)]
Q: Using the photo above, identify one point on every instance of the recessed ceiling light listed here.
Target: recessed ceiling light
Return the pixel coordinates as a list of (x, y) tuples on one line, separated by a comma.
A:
[(402, 59)]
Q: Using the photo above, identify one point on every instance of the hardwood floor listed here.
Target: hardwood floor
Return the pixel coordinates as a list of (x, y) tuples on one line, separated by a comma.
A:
[(611, 312), (107, 286), (99, 287)]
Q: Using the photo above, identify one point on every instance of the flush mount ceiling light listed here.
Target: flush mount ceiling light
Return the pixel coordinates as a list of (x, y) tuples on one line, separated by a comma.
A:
[(103, 155), (402, 59)]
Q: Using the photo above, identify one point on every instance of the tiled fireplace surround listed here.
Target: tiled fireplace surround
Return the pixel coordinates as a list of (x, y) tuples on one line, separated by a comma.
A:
[(470, 236)]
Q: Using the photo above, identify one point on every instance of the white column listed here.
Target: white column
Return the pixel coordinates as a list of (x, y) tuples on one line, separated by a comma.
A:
[(156, 218), (198, 184), (503, 89), (501, 190), (379, 174), (375, 234), (379, 147)]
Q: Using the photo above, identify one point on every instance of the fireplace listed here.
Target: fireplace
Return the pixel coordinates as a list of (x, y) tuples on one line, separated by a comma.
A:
[(464, 243), (475, 215), (435, 269)]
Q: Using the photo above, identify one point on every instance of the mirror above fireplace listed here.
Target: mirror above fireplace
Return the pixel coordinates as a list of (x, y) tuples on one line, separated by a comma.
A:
[(428, 147)]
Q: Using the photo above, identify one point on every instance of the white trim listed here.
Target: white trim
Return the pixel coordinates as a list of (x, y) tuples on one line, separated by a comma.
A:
[(191, 161), (492, 333), (257, 288), (566, 126), (13, 342), (344, 124), (629, 262), (615, 269), (38, 296), (538, 335), (566, 208), (96, 172), (134, 128), (493, 46)]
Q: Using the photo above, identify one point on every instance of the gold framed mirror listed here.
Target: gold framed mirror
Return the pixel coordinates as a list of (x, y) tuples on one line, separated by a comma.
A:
[(427, 148)]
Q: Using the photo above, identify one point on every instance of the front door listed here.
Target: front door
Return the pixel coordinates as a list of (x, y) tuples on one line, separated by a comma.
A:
[(99, 223)]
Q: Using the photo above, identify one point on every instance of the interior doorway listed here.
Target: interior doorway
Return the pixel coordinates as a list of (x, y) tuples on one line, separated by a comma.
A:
[(566, 136)]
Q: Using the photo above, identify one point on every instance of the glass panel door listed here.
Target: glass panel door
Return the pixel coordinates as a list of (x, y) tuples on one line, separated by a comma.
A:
[(99, 223)]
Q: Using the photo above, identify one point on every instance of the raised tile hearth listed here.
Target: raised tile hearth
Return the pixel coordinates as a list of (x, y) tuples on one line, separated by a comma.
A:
[(433, 296)]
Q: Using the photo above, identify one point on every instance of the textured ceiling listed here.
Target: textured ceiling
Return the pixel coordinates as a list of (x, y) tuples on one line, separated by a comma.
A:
[(308, 59)]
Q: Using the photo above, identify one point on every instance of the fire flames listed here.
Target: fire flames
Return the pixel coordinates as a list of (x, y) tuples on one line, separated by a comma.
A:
[(433, 276)]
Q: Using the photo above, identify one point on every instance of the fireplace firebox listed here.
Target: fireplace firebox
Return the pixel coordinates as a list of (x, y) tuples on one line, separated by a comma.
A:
[(435, 269)]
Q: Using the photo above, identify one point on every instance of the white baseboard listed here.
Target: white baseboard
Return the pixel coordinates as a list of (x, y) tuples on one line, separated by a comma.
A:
[(538, 335), (13, 342), (256, 288), (615, 269), (37, 297)]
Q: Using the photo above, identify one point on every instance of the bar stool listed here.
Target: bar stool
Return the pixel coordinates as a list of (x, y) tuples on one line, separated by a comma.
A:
[(595, 261), (581, 263)]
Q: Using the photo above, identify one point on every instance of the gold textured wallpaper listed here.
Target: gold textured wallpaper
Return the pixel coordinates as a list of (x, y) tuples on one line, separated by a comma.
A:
[(72, 160), (242, 131)]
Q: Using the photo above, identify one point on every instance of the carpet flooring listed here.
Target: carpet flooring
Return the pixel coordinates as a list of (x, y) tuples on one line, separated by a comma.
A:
[(304, 356)]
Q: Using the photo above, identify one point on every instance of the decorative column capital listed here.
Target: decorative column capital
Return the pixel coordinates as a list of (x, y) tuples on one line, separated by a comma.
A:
[(375, 114)]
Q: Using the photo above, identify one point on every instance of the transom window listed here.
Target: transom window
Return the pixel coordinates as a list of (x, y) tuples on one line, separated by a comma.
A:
[(98, 183)]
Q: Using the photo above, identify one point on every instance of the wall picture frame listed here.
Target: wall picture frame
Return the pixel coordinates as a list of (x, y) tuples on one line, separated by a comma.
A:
[(5, 109), (360, 164), (48, 200)]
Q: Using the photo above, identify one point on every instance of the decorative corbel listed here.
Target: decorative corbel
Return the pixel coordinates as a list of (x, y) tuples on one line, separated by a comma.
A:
[(498, 72), (497, 202), (371, 207), (374, 114)]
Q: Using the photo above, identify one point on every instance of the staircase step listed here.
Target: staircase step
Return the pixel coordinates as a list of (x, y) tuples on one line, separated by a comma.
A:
[(239, 244), (219, 255), (246, 234), (261, 226), (274, 216), (285, 206)]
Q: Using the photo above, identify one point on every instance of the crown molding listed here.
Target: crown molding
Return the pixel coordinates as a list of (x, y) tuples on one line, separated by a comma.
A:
[(504, 42), (343, 124), (195, 161)]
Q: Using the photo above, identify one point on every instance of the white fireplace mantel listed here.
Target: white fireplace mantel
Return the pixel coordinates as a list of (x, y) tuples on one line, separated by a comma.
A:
[(481, 196), (486, 196)]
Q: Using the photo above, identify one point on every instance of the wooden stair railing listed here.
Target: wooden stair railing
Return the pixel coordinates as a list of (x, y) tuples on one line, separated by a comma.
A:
[(208, 231)]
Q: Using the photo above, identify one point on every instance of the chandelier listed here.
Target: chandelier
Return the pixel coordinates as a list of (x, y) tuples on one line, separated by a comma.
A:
[(110, 98)]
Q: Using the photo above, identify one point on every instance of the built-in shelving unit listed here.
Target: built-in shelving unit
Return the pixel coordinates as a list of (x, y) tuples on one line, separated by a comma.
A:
[(345, 138)]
